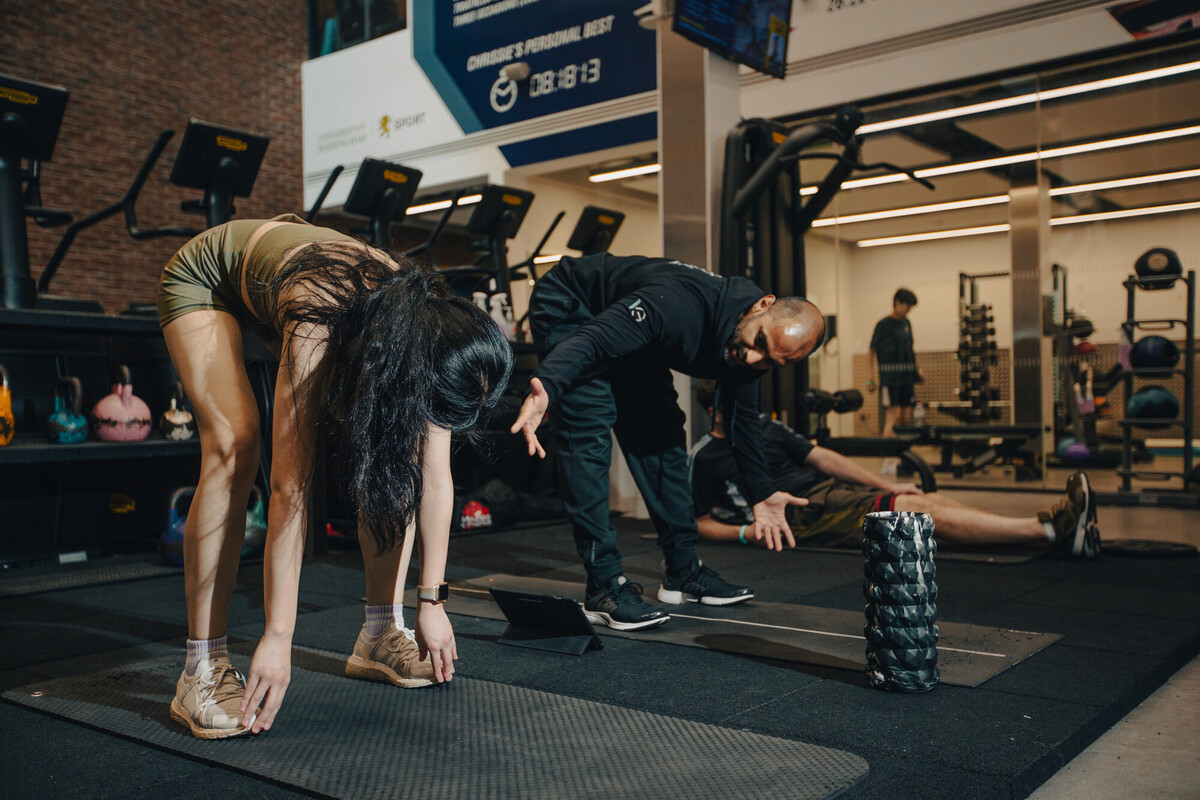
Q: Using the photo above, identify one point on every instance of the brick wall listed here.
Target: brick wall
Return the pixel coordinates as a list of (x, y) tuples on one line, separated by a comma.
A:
[(134, 68)]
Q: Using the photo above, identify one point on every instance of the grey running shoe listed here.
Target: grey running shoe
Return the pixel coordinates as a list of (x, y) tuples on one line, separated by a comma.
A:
[(1073, 518), (702, 585), (620, 606), (208, 702), (391, 657)]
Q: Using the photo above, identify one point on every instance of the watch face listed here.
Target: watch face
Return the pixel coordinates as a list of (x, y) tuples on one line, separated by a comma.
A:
[(443, 592)]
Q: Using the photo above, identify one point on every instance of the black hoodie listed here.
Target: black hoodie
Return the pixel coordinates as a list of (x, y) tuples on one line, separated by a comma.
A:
[(685, 314)]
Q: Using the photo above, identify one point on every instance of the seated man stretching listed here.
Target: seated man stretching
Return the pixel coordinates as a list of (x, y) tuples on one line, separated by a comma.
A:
[(840, 493)]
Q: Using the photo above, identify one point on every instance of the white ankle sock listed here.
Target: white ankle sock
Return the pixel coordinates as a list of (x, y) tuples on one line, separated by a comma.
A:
[(379, 617), (1050, 534), (200, 650)]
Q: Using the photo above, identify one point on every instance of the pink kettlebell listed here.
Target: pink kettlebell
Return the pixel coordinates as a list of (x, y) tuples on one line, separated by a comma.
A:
[(120, 416)]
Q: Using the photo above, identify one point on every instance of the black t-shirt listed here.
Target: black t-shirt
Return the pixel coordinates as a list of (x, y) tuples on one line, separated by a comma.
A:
[(683, 314), (716, 488), (893, 346)]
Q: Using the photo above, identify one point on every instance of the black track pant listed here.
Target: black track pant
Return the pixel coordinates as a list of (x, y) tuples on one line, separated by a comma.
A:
[(635, 399)]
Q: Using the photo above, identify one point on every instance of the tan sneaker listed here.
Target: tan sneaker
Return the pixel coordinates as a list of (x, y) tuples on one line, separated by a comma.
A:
[(208, 702), (1074, 519), (392, 657)]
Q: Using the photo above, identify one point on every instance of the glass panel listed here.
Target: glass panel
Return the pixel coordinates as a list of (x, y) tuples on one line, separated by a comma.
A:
[(1111, 149), (337, 24)]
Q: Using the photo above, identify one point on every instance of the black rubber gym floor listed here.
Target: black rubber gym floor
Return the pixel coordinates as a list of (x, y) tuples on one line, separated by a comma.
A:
[(1126, 625)]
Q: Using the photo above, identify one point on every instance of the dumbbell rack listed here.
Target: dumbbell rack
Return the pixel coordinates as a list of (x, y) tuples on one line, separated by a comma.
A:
[(976, 353), (1187, 370)]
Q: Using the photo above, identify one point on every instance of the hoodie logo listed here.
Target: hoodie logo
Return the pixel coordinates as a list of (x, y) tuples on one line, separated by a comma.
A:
[(637, 311)]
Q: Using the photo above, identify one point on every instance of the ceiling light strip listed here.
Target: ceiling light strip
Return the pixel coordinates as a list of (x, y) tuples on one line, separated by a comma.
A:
[(441, 205), (1055, 222), (631, 172), (1125, 214), (912, 211), (1121, 183), (1029, 98), (1018, 158), (933, 235)]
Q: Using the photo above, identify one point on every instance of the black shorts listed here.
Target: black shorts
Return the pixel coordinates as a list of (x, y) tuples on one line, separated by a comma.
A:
[(900, 395)]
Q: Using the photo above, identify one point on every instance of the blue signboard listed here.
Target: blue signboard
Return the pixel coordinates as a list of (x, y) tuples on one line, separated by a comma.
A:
[(579, 52)]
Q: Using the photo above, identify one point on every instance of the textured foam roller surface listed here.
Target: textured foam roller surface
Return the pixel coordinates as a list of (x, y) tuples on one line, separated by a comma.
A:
[(342, 738)]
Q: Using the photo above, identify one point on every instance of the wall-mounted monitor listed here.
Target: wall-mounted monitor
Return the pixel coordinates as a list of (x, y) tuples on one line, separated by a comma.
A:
[(751, 32)]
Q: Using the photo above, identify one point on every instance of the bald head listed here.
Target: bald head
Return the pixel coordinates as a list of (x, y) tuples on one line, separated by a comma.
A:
[(775, 332)]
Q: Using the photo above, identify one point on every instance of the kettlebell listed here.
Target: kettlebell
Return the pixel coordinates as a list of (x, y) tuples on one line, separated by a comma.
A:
[(256, 525), (177, 423), (121, 416), (8, 423), (170, 544), (67, 425)]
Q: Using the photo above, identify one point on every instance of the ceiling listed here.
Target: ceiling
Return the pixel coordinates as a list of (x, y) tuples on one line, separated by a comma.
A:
[(1139, 108)]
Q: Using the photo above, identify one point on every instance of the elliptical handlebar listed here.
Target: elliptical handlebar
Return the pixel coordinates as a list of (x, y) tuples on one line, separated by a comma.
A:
[(128, 202), (537, 251), (428, 245), (125, 204), (333, 176)]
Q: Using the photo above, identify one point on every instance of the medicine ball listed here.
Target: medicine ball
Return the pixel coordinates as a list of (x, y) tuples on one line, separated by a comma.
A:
[(1076, 452), (1154, 352), (1152, 402), (1064, 444), (1080, 327), (1158, 262)]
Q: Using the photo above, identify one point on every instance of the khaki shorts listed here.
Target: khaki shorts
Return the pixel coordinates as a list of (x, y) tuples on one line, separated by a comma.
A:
[(835, 513)]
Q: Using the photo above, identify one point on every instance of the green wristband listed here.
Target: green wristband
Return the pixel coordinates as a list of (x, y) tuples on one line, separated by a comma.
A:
[(742, 535)]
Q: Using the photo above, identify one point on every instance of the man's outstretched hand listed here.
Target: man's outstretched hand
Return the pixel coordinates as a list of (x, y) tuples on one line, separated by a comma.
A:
[(532, 411), (770, 520)]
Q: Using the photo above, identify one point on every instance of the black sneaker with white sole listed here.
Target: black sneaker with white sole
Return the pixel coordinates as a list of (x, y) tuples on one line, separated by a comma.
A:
[(620, 606), (702, 585), (1073, 519)]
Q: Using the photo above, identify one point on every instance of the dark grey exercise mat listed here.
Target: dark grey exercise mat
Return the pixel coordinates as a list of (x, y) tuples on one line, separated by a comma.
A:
[(74, 577), (1013, 556), (968, 654), (471, 739)]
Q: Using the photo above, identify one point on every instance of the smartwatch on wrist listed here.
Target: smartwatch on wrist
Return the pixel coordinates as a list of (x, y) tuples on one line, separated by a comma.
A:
[(437, 594)]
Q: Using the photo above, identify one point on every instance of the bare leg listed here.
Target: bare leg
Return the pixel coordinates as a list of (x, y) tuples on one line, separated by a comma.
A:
[(386, 572), (206, 348), (955, 522), (891, 416)]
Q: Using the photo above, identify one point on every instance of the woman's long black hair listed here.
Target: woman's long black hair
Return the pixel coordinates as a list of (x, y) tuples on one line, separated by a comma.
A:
[(403, 353)]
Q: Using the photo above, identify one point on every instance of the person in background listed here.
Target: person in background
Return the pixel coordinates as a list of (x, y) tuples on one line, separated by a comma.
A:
[(894, 368), (840, 493)]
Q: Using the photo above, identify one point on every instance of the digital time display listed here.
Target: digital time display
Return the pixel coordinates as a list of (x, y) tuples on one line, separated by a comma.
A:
[(564, 78)]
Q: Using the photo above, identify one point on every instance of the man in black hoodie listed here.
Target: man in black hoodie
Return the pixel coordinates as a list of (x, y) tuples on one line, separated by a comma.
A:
[(609, 330)]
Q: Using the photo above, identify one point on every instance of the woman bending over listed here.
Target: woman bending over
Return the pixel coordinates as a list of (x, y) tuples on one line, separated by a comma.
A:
[(396, 364)]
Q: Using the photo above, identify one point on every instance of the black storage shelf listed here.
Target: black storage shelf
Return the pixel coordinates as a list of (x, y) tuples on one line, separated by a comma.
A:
[(27, 450), (79, 322), (1151, 474), (59, 497), (1186, 423), (1152, 423), (1149, 373)]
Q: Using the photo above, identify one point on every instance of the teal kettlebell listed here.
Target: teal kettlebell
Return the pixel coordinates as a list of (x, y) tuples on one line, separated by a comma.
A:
[(170, 544), (67, 425), (256, 525)]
